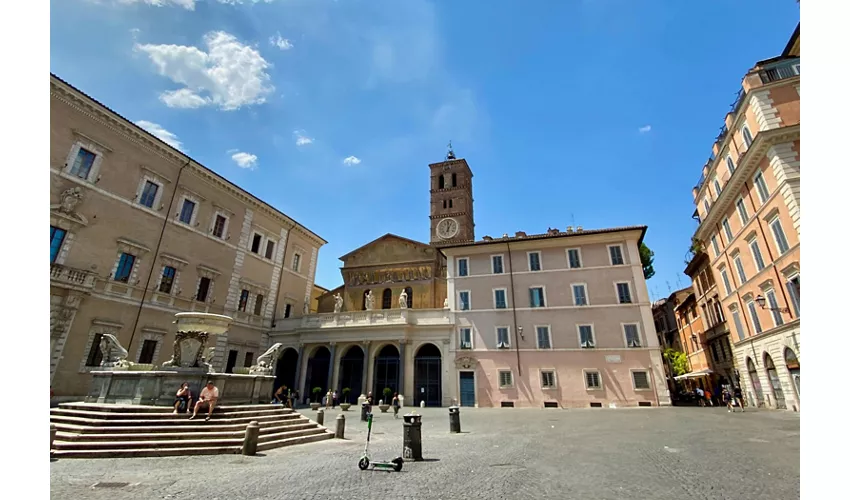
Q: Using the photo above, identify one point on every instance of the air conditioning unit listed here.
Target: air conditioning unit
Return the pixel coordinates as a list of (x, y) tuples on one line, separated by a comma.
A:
[(465, 345), (634, 343), (502, 345), (587, 345)]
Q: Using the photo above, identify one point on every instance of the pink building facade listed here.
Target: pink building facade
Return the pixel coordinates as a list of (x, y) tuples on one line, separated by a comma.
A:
[(560, 319)]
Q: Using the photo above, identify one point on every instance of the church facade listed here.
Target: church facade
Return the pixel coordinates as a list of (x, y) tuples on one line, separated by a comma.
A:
[(402, 321)]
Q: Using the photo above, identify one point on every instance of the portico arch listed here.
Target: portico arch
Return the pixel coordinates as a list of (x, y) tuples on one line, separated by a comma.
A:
[(285, 368), (793, 366), (386, 374), (351, 372), (317, 372), (427, 375), (773, 378), (754, 381)]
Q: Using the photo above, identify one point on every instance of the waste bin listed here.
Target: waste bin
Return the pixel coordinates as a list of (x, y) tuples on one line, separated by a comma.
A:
[(412, 437), (454, 418)]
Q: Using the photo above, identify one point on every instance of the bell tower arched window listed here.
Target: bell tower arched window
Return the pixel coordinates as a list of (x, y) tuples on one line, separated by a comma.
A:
[(442, 182), (454, 180), (387, 299)]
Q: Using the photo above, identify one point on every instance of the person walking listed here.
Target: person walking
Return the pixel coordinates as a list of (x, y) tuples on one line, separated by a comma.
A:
[(727, 399), (739, 398), (700, 396), (395, 405)]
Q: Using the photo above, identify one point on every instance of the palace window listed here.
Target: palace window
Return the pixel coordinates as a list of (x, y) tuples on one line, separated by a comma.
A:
[(187, 211), (166, 282), (83, 163), (125, 267), (57, 237)]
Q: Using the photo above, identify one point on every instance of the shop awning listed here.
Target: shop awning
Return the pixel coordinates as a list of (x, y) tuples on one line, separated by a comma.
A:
[(701, 373)]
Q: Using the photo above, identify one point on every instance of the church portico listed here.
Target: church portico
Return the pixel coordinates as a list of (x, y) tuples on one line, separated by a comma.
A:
[(369, 351)]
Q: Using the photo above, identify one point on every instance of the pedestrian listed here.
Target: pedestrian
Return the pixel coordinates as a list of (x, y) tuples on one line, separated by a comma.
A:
[(395, 405), (708, 398), (369, 401), (700, 396), (335, 400), (739, 398), (727, 399)]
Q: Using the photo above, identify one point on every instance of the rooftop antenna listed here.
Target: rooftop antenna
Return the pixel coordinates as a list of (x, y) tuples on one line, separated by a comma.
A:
[(451, 153), (572, 219), (669, 289), (678, 282)]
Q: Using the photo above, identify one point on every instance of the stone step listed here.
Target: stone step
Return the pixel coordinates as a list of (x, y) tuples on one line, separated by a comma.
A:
[(175, 420), (217, 413), (116, 408), (67, 436), (144, 444), (294, 433), (187, 427), (147, 452), (294, 440)]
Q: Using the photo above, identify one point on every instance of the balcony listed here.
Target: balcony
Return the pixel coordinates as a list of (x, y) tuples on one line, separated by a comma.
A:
[(367, 319), (69, 277), (788, 68)]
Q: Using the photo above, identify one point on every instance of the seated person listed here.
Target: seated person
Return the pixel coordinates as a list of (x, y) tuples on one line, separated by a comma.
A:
[(281, 395), (183, 399), (209, 397)]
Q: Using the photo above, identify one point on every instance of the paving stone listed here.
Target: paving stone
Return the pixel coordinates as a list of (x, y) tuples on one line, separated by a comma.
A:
[(662, 453)]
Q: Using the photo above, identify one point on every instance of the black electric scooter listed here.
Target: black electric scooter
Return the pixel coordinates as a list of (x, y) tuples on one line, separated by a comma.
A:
[(394, 464)]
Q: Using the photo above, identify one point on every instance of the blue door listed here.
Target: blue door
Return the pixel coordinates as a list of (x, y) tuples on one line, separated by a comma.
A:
[(467, 389)]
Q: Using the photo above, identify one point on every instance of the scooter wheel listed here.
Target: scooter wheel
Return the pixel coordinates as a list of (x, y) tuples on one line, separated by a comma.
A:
[(364, 463), (397, 466)]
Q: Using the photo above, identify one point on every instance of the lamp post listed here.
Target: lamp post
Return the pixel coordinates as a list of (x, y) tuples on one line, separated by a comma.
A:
[(760, 300)]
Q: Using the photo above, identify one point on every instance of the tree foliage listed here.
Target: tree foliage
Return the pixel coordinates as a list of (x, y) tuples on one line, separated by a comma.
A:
[(678, 360), (647, 256)]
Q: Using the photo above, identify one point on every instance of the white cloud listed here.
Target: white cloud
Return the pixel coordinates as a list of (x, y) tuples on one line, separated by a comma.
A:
[(301, 139), (229, 75), (351, 160), (245, 160), (160, 133), (280, 42), (186, 4), (645, 129)]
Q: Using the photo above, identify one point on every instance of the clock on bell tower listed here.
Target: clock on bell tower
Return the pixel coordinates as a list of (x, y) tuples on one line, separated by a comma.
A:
[(451, 202)]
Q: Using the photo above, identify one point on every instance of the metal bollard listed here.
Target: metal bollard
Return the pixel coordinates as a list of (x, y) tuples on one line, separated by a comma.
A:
[(252, 438), (52, 435), (422, 404), (412, 437), (454, 419), (364, 410), (320, 418), (340, 427)]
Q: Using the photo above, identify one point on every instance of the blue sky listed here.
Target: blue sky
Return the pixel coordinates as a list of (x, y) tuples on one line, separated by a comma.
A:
[(597, 113)]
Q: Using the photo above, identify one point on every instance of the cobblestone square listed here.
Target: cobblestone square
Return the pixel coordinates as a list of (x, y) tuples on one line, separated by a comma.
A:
[(667, 453)]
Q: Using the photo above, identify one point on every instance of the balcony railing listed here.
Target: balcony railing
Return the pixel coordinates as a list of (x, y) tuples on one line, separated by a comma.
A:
[(65, 275), (788, 68), (359, 319)]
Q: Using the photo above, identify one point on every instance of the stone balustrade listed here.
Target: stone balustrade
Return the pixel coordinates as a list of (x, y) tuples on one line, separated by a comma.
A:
[(64, 275), (377, 318)]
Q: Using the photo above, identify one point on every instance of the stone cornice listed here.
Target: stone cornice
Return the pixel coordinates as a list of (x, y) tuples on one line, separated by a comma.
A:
[(758, 149), (100, 113)]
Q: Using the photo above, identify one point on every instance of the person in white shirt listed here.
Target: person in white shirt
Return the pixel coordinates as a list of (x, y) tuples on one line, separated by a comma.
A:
[(209, 396)]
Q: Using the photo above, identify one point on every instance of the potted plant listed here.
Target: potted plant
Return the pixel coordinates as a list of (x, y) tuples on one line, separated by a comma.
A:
[(345, 405), (385, 403), (317, 398)]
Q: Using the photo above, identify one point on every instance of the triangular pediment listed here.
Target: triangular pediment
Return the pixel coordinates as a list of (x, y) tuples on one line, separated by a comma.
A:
[(388, 249)]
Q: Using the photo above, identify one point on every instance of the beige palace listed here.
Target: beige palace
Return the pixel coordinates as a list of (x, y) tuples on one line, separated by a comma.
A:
[(748, 206), (139, 231)]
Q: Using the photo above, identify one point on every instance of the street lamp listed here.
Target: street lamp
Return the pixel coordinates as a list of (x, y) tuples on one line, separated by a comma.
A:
[(760, 300)]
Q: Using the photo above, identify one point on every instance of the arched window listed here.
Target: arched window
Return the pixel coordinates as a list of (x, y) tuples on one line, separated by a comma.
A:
[(450, 203), (365, 293), (444, 204), (387, 299), (747, 135), (730, 164), (409, 292), (454, 180), (442, 182)]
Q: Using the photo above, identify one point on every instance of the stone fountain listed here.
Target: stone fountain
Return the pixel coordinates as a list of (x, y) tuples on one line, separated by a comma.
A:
[(117, 382)]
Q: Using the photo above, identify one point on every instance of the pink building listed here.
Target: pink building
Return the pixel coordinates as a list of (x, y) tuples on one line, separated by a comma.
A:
[(557, 319)]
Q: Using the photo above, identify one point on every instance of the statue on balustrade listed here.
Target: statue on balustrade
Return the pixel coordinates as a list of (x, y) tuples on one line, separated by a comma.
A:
[(337, 303), (402, 300)]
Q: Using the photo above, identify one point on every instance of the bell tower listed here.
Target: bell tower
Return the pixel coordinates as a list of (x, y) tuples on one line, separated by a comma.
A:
[(451, 201)]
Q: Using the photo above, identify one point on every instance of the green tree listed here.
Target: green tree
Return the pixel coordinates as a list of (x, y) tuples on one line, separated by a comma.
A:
[(647, 256), (678, 360)]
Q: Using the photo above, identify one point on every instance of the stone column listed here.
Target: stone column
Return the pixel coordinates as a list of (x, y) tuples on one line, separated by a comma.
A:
[(367, 369), (402, 344), (298, 372), (331, 367)]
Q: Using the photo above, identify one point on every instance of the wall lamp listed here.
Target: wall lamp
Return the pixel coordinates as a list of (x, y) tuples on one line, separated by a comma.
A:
[(760, 300), (519, 330)]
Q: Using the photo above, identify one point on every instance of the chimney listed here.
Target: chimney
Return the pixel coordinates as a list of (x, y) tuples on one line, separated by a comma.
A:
[(505, 235), (488, 238), (579, 229), (554, 231), (569, 229), (520, 234)]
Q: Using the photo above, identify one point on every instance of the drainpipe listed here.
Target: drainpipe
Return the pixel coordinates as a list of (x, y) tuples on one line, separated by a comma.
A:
[(280, 276), (155, 253), (513, 308)]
